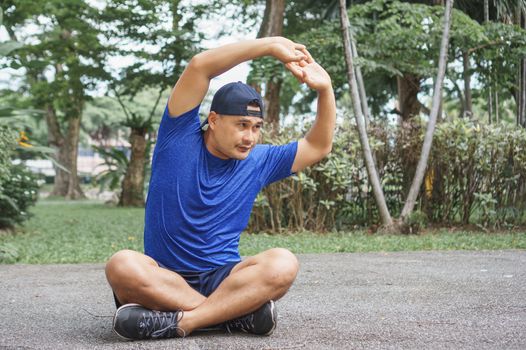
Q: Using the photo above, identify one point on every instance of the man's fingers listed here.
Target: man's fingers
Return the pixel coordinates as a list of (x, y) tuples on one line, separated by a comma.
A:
[(298, 56), (309, 56), (298, 46), (295, 70)]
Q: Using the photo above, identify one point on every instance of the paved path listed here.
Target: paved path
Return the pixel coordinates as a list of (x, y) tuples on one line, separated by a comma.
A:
[(418, 300)]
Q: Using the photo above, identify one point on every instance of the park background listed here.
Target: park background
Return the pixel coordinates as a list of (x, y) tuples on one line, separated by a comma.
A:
[(84, 83)]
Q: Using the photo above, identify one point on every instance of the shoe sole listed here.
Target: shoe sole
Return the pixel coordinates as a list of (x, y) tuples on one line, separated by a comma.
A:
[(274, 318), (115, 318)]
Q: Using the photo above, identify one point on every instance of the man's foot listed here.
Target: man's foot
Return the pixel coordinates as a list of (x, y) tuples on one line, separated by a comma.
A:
[(262, 321), (134, 322)]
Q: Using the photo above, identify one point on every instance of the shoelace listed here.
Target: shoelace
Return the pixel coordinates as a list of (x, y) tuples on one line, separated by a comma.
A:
[(243, 323), (156, 324)]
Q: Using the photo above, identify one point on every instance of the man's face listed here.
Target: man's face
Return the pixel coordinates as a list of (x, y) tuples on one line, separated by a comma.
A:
[(235, 136)]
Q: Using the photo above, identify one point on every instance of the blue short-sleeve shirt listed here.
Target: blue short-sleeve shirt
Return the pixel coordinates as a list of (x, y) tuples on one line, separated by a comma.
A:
[(198, 204)]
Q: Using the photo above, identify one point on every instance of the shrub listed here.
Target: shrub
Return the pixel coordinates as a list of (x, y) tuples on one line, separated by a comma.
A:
[(19, 191), (7, 144), (479, 174), (476, 175), (414, 222)]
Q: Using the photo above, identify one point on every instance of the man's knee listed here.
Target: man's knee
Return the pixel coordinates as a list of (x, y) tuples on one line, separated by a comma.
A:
[(280, 268), (124, 268)]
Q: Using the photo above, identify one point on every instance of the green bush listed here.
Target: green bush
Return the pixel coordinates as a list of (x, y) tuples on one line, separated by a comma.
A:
[(7, 144), (414, 222), (476, 175), (19, 191), (480, 172)]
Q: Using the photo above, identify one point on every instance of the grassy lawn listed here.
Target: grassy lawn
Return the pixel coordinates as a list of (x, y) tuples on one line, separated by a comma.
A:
[(74, 232)]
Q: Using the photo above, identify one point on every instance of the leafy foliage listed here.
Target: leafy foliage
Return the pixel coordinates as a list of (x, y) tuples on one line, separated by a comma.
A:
[(476, 174), (7, 145), (482, 174), (116, 162), (395, 38), (18, 186), (19, 191)]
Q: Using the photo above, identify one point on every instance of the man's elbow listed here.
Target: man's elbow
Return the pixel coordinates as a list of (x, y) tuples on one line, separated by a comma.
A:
[(200, 64), (325, 152), (196, 62), (328, 149)]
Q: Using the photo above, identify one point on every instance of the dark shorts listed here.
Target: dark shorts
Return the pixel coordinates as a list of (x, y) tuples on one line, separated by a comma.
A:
[(203, 282)]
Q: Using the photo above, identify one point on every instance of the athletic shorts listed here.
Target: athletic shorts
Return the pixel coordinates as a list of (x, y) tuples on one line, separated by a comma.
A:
[(203, 282)]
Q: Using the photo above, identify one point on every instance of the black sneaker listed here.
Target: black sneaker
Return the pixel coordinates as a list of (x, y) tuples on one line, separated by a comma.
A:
[(261, 322), (134, 322)]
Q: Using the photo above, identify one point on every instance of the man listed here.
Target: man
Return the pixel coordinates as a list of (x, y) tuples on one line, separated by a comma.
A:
[(201, 193)]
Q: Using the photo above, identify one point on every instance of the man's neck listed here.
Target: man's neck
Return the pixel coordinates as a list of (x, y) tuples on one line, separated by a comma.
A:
[(210, 145)]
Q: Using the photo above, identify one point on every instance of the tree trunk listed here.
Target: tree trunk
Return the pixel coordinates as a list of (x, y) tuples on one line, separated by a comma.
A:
[(521, 100), (54, 135), (176, 16), (374, 180), (437, 97), (460, 93), (133, 183), (490, 103), (522, 91), (361, 86), (61, 183), (66, 183), (272, 25), (409, 106), (72, 146), (468, 107), (496, 103), (272, 105), (56, 139), (408, 89)]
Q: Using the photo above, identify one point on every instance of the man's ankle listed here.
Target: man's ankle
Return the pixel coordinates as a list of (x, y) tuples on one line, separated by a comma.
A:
[(185, 325)]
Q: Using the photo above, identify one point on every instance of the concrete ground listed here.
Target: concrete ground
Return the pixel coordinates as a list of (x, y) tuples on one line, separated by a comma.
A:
[(417, 300)]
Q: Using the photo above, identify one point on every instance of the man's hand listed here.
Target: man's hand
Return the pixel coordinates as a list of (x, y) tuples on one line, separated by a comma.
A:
[(309, 72), (286, 50)]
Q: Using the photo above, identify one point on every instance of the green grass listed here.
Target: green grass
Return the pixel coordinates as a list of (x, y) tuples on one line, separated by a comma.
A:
[(74, 232)]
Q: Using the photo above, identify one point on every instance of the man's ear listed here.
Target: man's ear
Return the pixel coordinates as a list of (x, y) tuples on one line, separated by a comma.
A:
[(212, 119)]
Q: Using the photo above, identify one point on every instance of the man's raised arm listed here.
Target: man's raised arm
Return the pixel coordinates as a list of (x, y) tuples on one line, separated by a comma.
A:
[(317, 143), (193, 84)]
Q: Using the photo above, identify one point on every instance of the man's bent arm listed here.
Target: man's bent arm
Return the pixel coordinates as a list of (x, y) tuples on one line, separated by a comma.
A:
[(317, 143), (193, 84)]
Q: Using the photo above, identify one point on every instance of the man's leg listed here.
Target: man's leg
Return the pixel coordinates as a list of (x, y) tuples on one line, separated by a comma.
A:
[(251, 283), (137, 278)]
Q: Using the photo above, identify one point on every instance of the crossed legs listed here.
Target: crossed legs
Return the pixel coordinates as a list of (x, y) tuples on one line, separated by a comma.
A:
[(136, 278)]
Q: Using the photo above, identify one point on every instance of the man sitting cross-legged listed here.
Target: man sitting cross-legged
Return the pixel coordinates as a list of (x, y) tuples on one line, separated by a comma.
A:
[(202, 189)]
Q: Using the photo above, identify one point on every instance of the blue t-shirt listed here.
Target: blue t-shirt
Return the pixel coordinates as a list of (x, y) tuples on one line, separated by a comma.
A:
[(199, 204)]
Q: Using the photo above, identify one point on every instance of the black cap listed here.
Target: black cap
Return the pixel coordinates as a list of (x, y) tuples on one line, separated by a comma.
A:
[(233, 99)]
